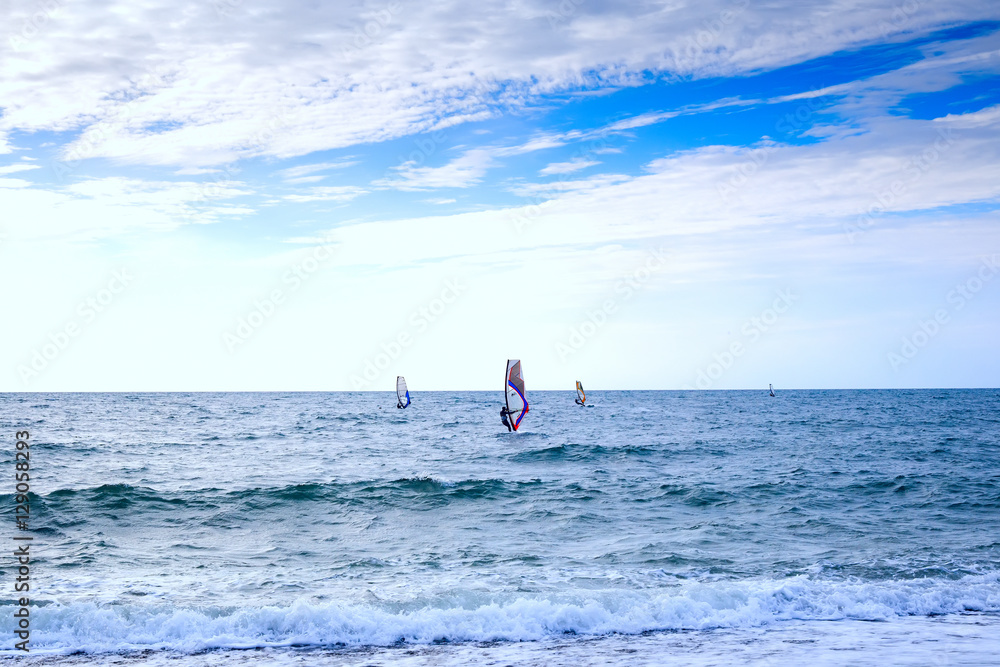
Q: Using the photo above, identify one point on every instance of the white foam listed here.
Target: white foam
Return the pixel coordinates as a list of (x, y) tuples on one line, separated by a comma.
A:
[(101, 628)]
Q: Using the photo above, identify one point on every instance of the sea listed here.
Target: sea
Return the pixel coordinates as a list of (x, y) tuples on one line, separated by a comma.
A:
[(648, 528)]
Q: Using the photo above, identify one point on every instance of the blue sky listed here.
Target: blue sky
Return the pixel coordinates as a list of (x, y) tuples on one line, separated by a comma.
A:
[(245, 196)]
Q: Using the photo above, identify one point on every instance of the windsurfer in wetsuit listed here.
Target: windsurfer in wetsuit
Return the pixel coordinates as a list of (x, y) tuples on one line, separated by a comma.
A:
[(399, 403), (503, 417)]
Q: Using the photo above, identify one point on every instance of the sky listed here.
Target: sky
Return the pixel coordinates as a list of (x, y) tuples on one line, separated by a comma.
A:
[(232, 195)]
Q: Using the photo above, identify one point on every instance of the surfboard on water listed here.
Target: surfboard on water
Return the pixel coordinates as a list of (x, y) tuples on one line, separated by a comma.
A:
[(770, 389), (402, 393), (581, 395), (517, 404)]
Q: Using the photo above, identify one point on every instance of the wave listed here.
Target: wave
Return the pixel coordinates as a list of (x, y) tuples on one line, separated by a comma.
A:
[(580, 452), (94, 628), (125, 496)]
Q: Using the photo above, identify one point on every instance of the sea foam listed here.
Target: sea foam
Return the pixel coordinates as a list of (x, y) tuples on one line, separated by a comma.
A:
[(96, 628)]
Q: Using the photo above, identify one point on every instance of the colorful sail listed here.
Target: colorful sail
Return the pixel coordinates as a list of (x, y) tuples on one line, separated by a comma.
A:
[(517, 404), (402, 393), (581, 396)]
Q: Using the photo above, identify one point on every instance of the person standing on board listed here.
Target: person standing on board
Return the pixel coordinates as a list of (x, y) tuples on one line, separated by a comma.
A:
[(503, 417)]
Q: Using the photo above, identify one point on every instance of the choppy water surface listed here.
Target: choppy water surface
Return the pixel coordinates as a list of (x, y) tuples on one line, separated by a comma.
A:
[(697, 527)]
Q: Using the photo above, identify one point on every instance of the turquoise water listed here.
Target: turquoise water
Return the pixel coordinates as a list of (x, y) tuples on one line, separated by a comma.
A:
[(333, 527)]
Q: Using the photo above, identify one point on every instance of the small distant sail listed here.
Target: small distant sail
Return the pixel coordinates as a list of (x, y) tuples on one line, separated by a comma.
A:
[(517, 404), (402, 393), (581, 395), (770, 389)]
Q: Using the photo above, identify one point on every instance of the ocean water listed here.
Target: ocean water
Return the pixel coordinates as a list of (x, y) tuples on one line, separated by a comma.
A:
[(821, 527)]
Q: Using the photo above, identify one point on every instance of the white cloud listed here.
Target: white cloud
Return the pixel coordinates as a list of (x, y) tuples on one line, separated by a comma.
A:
[(196, 171), (471, 166), (14, 183), (987, 117), (464, 171), (14, 168), (554, 188), (301, 172), (327, 193), (641, 120), (576, 164), (301, 180)]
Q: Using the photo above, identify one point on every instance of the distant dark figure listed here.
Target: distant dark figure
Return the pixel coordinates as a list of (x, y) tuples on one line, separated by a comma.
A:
[(503, 417), (578, 401), (399, 405)]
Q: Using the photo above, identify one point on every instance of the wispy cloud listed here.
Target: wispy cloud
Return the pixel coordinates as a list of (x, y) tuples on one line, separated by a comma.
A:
[(569, 167), (464, 171), (14, 168), (196, 171), (304, 171), (537, 190), (327, 193)]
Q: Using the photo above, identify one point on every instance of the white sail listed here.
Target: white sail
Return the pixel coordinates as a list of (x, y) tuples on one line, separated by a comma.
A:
[(402, 393), (517, 404), (770, 389)]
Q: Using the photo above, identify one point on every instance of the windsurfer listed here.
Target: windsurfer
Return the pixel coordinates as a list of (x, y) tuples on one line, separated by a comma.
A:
[(503, 417)]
